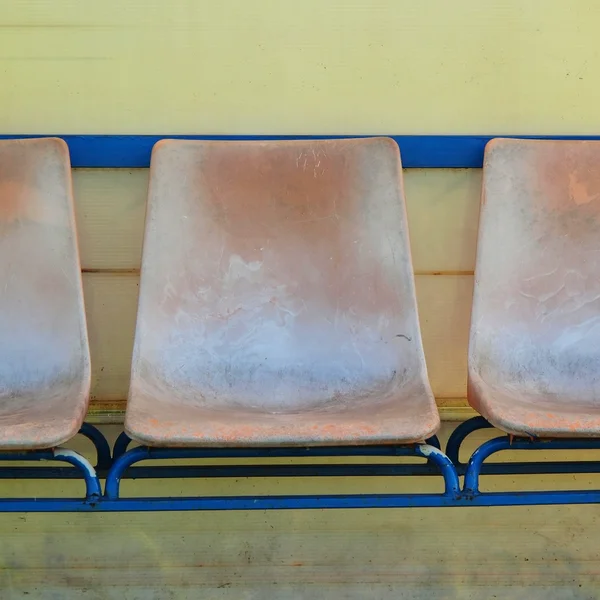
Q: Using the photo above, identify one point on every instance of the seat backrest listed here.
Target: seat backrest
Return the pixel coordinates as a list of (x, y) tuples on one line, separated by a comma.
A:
[(280, 267), (42, 322), (536, 311)]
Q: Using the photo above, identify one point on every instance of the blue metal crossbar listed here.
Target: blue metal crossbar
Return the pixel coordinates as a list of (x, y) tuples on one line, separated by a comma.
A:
[(299, 502), (418, 151)]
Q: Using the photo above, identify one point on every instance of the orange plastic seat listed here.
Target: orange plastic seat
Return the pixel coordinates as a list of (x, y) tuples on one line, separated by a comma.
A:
[(277, 301), (44, 356), (534, 357)]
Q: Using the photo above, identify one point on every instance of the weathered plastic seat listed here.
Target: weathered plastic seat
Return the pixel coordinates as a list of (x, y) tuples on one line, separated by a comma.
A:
[(44, 356), (277, 301), (534, 358)]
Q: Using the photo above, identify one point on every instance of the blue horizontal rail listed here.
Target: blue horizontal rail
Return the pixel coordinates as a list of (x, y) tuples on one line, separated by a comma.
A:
[(307, 502), (235, 471), (418, 151)]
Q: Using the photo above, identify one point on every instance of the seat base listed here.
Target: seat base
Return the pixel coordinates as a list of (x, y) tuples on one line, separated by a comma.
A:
[(532, 415), (42, 420), (156, 422)]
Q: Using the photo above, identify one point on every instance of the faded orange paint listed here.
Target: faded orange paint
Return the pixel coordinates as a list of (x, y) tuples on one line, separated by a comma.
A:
[(277, 301), (534, 355), (44, 355)]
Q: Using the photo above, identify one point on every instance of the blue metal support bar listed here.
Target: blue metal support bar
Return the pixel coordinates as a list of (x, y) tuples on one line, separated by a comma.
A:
[(418, 151), (281, 470), (121, 445), (93, 490), (230, 503), (474, 470), (103, 457), (463, 430), (436, 460), (452, 495), (460, 433), (103, 461), (298, 502), (432, 454)]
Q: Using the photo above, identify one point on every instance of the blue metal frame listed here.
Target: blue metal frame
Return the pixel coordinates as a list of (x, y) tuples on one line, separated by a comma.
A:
[(463, 430), (93, 489), (471, 493), (103, 456), (103, 460), (295, 470), (112, 500), (418, 151), (437, 463)]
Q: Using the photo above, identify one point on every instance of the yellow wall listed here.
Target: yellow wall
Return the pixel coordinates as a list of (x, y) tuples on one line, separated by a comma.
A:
[(363, 66), (291, 66)]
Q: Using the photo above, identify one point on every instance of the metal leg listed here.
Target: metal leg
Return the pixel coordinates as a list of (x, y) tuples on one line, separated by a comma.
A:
[(471, 486), (120, 465), (93, 491), (103, 458), (472, 495), (92, 483), (524, 468), (447, 469), (103, 461), (121, 445), (458, 436)]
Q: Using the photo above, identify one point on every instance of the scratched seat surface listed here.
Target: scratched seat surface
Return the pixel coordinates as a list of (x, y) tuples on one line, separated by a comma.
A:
[(534, 358), (44, 357), (277, 301)]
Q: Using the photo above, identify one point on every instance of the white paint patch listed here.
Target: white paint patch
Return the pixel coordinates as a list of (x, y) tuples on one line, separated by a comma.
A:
[(65, 453), (427, 450)]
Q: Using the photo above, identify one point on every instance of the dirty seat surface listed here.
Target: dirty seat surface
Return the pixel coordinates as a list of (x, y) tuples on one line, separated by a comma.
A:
[(44, 357), (534, 358), (277, 301)]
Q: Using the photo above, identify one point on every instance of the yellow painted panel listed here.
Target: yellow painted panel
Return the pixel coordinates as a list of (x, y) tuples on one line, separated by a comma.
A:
[(111, 307), (443, 210), (316, 66), (445, 316), (111, 303), (110, 209), (443, 215)]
